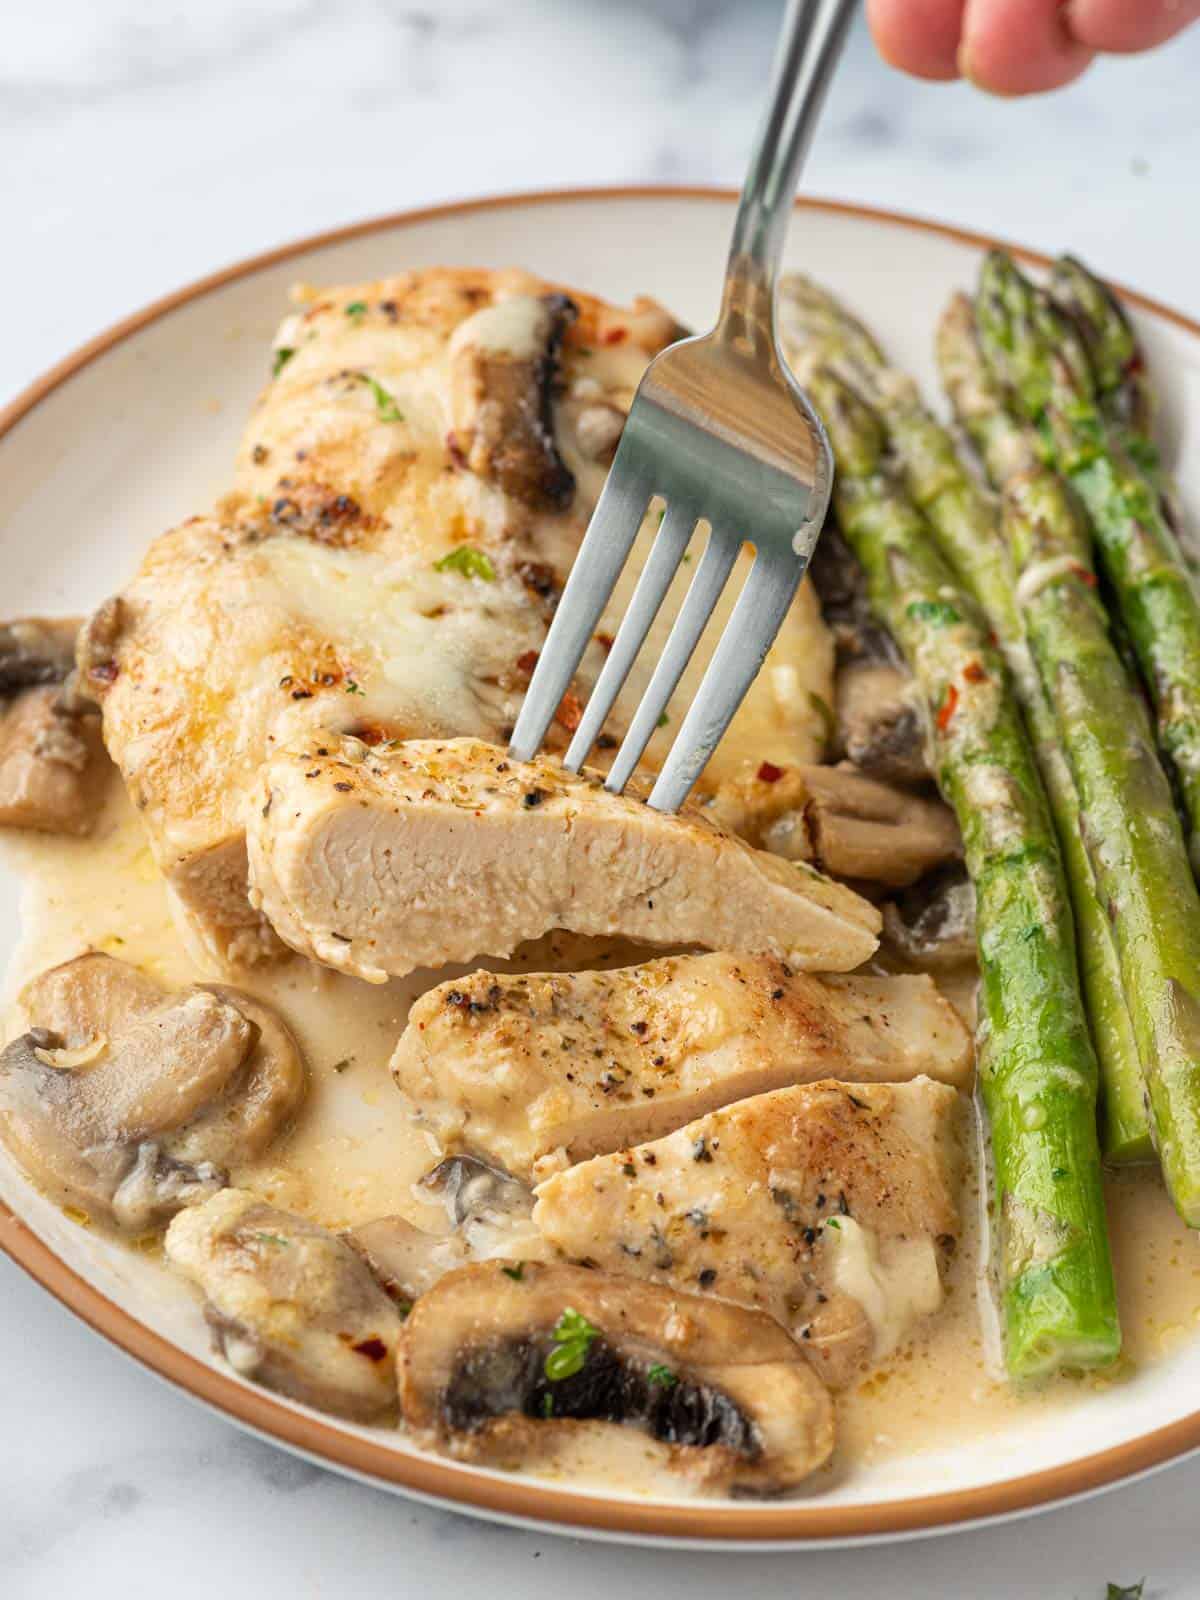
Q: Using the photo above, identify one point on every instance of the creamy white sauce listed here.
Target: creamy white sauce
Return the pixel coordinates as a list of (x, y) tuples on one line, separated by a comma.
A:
[(354, 1155)]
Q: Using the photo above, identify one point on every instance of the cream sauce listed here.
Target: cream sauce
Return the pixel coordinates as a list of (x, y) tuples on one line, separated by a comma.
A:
[(352, 1156)]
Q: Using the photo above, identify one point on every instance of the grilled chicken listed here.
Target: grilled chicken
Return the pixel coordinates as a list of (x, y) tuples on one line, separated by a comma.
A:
[(725, 1390), (291, 1305), (409, 496), (829, 1205), (378, 862), (535, 1071)]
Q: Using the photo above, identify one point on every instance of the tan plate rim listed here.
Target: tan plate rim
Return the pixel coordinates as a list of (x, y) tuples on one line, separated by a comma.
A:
[(515, 1498)]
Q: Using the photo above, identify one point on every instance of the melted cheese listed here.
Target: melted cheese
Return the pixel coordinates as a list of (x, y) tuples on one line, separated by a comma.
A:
[(893, 1296)]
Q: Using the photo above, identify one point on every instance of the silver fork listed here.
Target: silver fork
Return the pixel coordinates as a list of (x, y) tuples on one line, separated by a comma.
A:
[(721, 431)]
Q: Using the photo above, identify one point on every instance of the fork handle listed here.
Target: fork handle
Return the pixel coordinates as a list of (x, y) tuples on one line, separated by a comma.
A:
[(810, 43)]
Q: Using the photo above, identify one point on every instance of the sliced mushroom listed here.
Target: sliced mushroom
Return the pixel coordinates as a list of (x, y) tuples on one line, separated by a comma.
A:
[(503, 368), (931, 925), (406, 1260), (36, 650), (129, 1101), (878, 726), (849, 825), (51, 755), (499, 1360), (292, 1306), (868, 830), (52, 765), (491, 1210)]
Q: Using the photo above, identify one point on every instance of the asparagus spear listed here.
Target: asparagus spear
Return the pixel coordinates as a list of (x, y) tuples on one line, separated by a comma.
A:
[(966, 523), (1130, 826), (1005, 444), (1036, 1066), (1033, 350), (1123, 385), (1118, 366)]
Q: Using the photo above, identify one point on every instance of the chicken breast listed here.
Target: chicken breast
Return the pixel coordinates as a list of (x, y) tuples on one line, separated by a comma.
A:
[(408, 499), (830, 1205), (536, 1071), (380, 861)]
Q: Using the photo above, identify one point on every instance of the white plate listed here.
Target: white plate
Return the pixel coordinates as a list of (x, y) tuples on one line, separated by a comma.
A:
[(138, 430)]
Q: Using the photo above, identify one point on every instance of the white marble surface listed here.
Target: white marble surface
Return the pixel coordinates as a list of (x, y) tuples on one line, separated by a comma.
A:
[(146, 145)]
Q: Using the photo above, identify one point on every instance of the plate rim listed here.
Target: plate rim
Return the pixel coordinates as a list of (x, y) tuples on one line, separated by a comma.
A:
[(455, 1484)]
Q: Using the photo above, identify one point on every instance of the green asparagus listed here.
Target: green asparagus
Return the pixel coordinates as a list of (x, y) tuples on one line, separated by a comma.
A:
[(1036, 1065), (965, 521), (1131, 830), (1118, 367), (1123, 384), (1033, 350)]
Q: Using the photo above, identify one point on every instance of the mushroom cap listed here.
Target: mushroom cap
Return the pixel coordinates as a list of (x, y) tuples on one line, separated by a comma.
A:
[(724, 1388), (292, 1305), (129, 1100)]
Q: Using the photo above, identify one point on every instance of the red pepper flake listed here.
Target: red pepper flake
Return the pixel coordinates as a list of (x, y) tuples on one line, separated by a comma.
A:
[(615, 336), (374, 1349), (605, 641), (455, 451), (1084, 576), (993, 638), (948, 708), (768, 772), (973, 672), (527, 660), (570, 712)]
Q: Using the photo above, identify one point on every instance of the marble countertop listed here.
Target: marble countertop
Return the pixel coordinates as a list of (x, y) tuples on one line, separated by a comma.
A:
[(146, 146)]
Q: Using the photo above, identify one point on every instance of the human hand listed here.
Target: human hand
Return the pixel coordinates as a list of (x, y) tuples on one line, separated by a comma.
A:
[(1019, 46)]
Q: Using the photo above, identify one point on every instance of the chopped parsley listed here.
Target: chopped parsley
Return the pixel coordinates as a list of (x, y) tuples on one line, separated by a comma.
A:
[(385, 403), (939, 612), (280, 359), (469, 562), (834, 1223), (515, 1273), (354, 687), (662, 1377), (270, 1238), (663, 720), (547, 1405), (357, 309), (573, 1338), (1125, 1591)]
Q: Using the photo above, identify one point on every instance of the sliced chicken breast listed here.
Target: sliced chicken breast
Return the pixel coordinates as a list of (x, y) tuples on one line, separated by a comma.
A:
[(830, 1205), (380, 861), (536, 1071)]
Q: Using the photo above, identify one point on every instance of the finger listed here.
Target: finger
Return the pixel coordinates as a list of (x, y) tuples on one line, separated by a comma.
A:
[(1019, 47), (918, 36), (1120, 26)]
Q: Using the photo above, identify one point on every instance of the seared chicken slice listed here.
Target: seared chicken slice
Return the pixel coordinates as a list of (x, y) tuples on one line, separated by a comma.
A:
[(829, 1205), (536, 1071), (499, 1360), (409, 496), (128, 1101), (52, 762), (292, 1306), (380, 861)]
